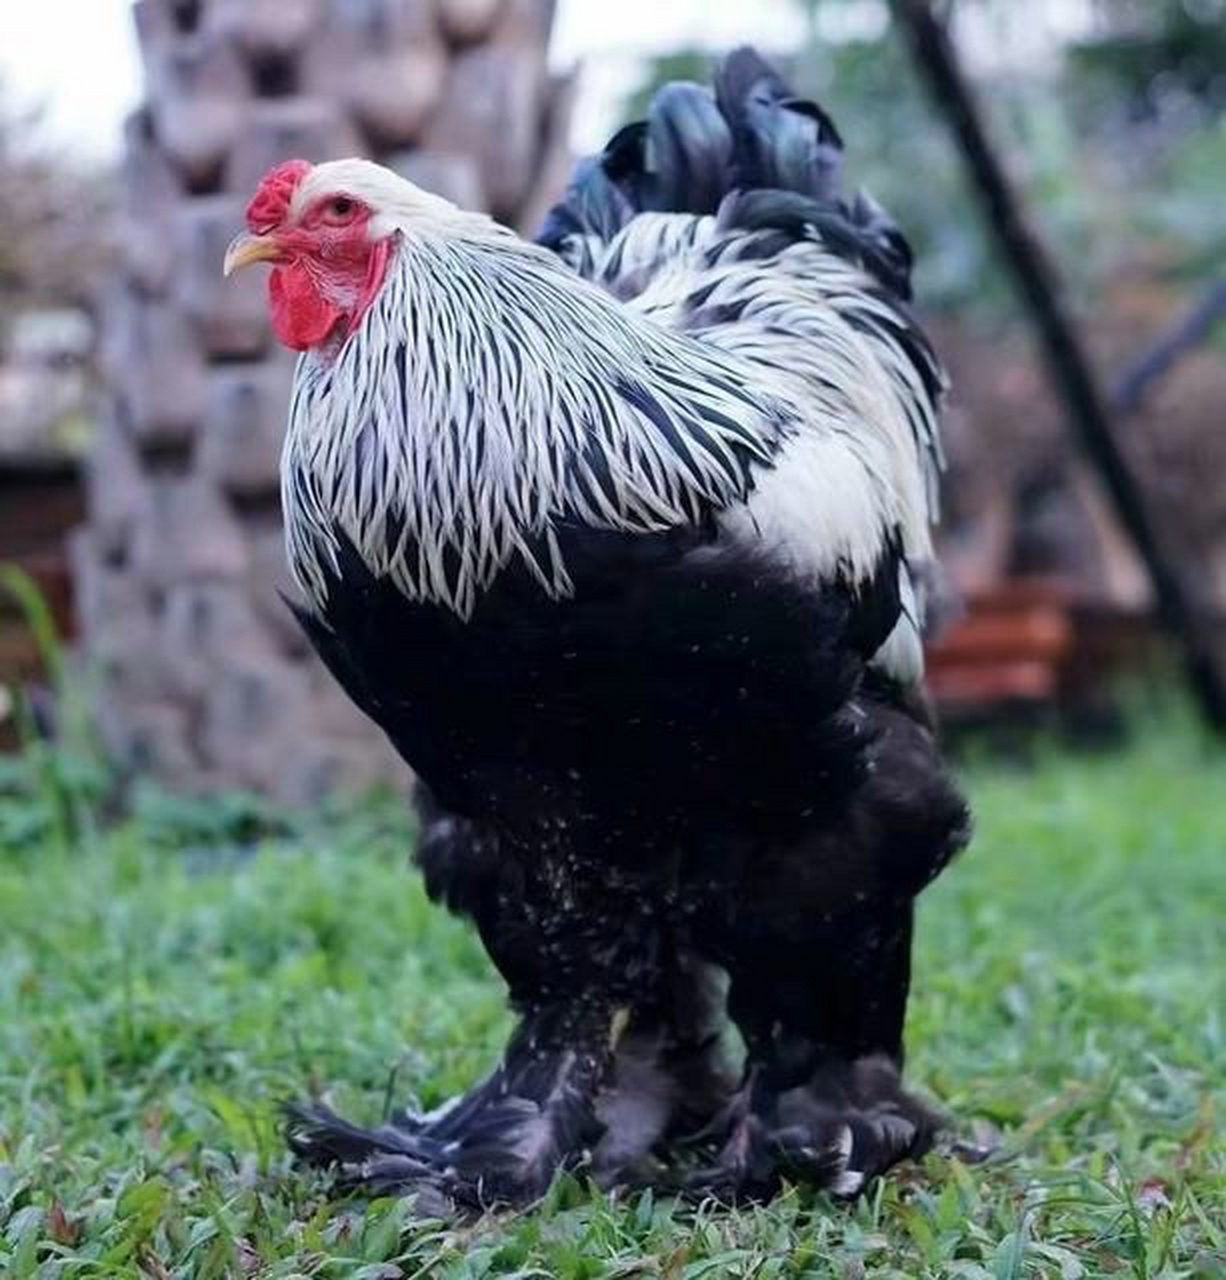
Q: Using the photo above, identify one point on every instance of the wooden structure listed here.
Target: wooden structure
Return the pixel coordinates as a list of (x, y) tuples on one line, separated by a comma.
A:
[(202, 676), (1028, 649)]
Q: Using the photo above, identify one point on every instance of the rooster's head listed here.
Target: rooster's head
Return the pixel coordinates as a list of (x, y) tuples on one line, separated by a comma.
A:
[(330, 231)]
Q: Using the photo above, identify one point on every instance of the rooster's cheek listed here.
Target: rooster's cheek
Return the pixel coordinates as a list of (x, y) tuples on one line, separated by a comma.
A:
[(301, 317)]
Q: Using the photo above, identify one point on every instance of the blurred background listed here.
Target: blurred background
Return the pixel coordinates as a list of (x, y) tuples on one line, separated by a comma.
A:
[(142, 400)]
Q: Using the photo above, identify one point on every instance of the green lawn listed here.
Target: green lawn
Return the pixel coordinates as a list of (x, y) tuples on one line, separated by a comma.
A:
[(163, 985)]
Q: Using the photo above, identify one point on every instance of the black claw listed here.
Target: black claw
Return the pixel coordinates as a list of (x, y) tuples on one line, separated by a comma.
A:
[(820, 1160)]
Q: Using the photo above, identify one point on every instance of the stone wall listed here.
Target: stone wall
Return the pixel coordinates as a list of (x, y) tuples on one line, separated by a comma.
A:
[(202, 678)]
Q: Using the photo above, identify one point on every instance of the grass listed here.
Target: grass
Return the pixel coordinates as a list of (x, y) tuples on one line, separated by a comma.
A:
[(164, 983)]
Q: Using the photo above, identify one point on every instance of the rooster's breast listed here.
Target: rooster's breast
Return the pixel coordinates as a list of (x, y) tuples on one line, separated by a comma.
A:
[(682, 688)]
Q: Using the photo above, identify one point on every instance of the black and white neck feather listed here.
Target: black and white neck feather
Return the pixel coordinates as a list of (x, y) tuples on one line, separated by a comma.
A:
[(489, 395)]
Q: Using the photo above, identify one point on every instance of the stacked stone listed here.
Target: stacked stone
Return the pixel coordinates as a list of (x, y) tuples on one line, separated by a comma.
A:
[(201, 675)]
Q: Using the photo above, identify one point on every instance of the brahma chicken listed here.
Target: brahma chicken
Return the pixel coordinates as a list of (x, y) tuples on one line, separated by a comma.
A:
[(620, 537)]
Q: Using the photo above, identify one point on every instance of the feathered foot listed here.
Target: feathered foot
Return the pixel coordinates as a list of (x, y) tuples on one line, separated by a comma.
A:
[(843, 1127), (672, 1073), (498, 1146)]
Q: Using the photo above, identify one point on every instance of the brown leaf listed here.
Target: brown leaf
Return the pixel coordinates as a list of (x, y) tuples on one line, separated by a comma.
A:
[(61, 1228), (1153, 1194), (153, 1126), (152, 1266)]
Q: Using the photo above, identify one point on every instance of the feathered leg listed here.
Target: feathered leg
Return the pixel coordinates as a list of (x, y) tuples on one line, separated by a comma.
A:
[(501, 1143), (822, 1101), (672, 1074), (581, 963), (819, 955)]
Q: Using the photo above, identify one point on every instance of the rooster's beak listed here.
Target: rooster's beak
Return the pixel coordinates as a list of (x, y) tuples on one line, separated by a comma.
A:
[(246, 248)]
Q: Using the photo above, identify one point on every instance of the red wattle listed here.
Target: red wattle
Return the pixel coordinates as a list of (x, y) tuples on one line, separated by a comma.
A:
[(301, 316)]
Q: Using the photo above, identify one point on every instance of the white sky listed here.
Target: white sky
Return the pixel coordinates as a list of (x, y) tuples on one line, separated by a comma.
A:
[(78, 58)]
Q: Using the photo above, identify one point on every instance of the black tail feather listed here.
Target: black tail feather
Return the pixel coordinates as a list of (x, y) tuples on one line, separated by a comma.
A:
[(594, 204), (783, 142), (691, 149), (780, 156)]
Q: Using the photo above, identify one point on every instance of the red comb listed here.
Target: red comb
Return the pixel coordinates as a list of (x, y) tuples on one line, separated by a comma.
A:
[(270, 203)]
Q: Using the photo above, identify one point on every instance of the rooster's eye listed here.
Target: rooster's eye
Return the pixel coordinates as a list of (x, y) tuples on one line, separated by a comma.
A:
[(339, 209)]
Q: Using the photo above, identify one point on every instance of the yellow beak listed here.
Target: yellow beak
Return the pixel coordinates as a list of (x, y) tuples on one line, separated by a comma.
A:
[(246, 249)]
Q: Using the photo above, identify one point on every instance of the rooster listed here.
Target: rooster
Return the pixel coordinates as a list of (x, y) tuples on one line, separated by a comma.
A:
[(620, 536)]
